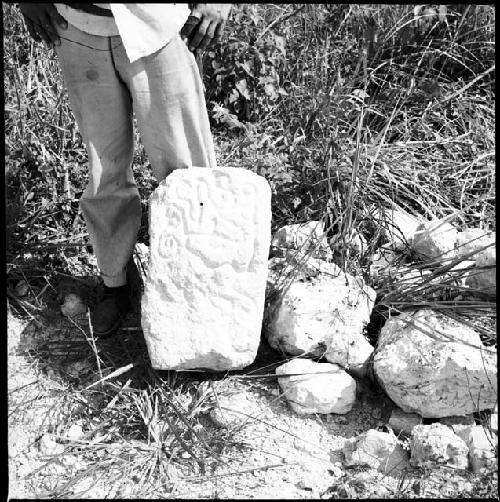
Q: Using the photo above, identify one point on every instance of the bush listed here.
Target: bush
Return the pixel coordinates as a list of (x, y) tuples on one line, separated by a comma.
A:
[(342, 107)]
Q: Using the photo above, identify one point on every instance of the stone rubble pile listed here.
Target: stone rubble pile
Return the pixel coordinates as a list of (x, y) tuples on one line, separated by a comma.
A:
[(204, 304), (431, 366)]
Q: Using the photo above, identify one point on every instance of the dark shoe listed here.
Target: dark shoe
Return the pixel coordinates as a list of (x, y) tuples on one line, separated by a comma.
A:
[(108, 314)]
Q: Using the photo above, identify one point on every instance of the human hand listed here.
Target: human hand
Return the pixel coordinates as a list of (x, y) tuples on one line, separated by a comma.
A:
[(205, 25), (41, 20)]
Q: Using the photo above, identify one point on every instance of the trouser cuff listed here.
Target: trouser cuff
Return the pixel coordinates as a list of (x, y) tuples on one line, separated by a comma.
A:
[(114, 281)]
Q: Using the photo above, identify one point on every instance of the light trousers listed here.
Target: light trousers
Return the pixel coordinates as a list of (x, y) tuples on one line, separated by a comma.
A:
[(104, 89)]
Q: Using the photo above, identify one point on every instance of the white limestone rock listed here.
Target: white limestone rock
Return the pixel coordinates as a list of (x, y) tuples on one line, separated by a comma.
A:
[(309, 238), (402, 422), (399, 226), (482, 278), (203, 300), (435, 366), (482, 448), (331, 392), (435, 240), (47, 445), (376, 449), (232, 411), (74, 433), (493, 423), (473, 240), (436, 444), (459, 273), (324, 316)]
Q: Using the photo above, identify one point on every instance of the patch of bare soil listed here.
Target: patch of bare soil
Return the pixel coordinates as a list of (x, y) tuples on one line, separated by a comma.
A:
[(89, 418)]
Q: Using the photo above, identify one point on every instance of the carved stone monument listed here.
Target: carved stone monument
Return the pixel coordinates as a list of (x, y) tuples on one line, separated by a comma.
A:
[(203, 302)]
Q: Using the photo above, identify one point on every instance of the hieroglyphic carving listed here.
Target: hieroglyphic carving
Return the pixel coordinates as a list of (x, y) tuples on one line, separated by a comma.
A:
[(210, 233)]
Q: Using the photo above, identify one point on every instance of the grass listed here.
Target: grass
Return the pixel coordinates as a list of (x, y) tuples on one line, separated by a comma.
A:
[(348, 109)]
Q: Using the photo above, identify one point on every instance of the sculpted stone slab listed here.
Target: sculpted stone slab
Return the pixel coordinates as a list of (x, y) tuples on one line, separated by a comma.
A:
[(203, 302)]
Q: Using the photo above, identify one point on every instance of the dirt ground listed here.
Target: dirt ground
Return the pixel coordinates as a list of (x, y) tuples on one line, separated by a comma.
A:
[(53, 364)]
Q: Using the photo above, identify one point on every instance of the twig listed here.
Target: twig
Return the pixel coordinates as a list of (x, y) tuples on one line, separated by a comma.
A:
[(113, 374)]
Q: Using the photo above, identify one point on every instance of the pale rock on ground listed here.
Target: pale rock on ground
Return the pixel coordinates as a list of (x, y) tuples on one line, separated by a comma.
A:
[(484, 279), (308, 238), (203, 299), (473, 240), (482, 448), (435, 366), (47, 445), (376, 449), (232, 411), (332, 392), (399, 226), (461, 272), (435, 240), (75, 432), (436, 444), (402, 422), (325, 316)]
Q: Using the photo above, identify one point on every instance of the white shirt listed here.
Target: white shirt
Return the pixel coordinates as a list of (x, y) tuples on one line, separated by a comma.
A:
[(144, 28)]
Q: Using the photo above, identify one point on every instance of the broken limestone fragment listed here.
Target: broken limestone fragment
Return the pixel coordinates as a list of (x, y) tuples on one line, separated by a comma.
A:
[(493, 423), (204, 295), (376, 449), (484, 276), (332, 392), (482, 445), (473, 240), (436, 444), (324, 316), (435, 366), (435, 240), (399, 226)]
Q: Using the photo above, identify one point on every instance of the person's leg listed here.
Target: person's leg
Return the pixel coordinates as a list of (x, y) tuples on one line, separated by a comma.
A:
[(170, 107), (102, 107), (101, 104)]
